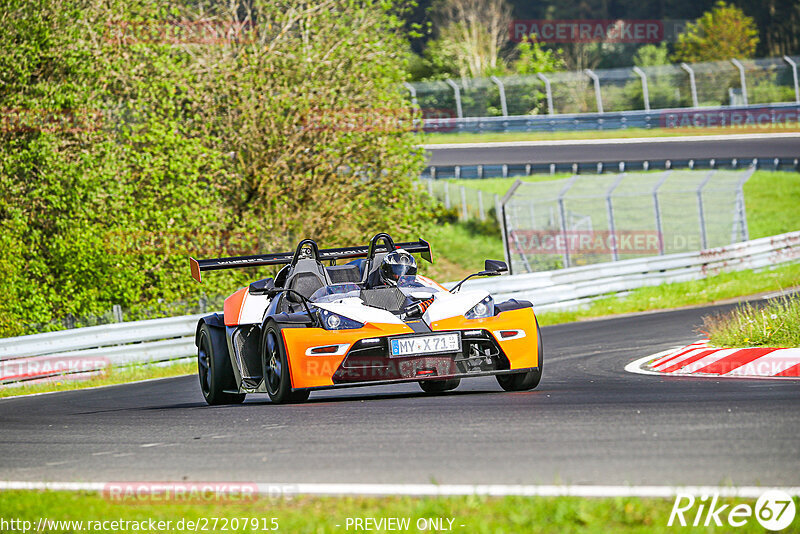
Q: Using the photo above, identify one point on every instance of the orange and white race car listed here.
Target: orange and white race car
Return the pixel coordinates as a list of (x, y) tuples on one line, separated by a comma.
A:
[(371, 321)]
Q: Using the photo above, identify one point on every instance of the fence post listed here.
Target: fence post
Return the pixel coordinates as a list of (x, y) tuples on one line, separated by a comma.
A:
[(481, 211), (457, 93), (742, 82), (657, 210), (792, 64), (413, 91), (742, 209), (562, 213), (645, 91), (692, 84), (464, 213), (610, 212), (116, 310), (500, 206), (549, 92), (502, 89), (596, 80), (447, 195), (700, 212)]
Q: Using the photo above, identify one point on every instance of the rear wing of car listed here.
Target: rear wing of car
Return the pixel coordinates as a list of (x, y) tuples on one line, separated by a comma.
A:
[(283, 258)]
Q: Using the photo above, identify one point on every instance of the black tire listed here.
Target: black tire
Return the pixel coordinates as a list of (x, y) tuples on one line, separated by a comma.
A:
[(214, 368), (276, 367), (439, 386), (527, 380)]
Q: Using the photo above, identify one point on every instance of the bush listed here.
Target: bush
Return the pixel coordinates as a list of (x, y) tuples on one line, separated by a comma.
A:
[(139, 136)]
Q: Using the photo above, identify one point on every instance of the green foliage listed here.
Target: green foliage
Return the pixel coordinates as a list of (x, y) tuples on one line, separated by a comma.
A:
[(776, 324), (723, 33), (132, 138), (533, 57), (651, 55)]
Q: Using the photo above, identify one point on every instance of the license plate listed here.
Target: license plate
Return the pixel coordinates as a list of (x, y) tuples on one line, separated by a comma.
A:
[(408, 346)]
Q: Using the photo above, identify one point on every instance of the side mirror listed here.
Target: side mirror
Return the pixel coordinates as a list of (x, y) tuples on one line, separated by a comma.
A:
[(495, 266)]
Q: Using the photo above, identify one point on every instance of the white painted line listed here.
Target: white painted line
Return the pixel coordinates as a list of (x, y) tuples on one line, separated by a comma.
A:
[(669, 363), (616, 141), (637, 366), (25, 395), (443, 490)]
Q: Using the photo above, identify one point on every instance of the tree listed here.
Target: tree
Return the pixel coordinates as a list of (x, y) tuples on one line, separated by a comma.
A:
[(533, 58), (471, 38), (723, 33)]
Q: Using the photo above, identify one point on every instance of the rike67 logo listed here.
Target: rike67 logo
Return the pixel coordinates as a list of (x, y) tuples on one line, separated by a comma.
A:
[(774, 510)]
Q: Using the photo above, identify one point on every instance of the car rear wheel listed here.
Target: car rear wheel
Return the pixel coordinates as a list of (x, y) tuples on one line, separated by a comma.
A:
[(276, 367), (527, 380), (439, 386), (214, 368)]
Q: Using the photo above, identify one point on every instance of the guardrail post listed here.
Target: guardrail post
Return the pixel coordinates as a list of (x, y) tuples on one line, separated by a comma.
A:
[(413, 91), (562, 215), (597, 96), (610, 212), (116, 310), (657, 210), (742, 82), (548, 91), (692, 84), (464, 213), (645, 91), (481, 212), (457, 93), (502, 89), (701, 213), (792, 64)]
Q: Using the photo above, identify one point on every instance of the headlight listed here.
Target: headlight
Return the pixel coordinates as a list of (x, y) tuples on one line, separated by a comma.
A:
[(484, 308), (334, 321)]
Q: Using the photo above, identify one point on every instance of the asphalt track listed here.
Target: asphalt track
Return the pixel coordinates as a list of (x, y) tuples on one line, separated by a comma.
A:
[(734, 146), (589, 422)]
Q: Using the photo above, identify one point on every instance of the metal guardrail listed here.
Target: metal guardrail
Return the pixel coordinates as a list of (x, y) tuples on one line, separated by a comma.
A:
[(158, 340), (94, 348), (509, 170), (757, 116), (572, 287)]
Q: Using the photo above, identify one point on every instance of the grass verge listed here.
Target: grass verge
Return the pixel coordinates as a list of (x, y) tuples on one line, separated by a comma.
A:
[(321, 515), (693, 293), (494, 137), (776, 324), (116, 375)]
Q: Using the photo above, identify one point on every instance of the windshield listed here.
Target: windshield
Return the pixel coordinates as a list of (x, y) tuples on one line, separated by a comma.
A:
[(335, 292), (412, 284)]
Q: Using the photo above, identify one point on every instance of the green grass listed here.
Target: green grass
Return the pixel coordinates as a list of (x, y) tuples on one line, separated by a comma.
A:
[(439, 138), (322, 515), (458, 251), (771, 198), (694, 293), (776, 324), (116, 375)]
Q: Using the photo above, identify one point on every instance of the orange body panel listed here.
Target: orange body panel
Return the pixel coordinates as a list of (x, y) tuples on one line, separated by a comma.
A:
[(233, 307), (522, 353), (316, 371)]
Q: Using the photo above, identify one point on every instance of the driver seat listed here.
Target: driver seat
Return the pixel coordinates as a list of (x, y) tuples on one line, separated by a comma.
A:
[(306, 277)]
